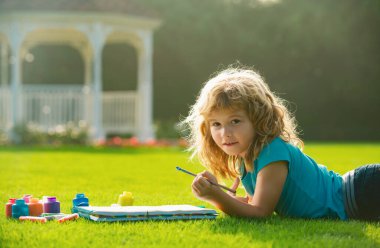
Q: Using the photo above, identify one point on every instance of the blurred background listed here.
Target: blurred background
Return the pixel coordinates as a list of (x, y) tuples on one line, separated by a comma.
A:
[(323, 57)]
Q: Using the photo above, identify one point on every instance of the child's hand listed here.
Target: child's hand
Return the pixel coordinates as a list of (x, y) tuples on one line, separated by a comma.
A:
[(234, 186), (202, 188)]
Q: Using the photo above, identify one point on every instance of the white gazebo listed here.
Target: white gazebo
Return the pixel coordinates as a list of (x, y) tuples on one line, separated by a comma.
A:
[(87, 26)]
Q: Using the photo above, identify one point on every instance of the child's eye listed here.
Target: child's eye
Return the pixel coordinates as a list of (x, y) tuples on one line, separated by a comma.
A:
[(235, 121), (215, 124)]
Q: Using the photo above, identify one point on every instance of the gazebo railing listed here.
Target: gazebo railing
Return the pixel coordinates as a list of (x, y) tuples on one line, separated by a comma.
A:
[(48, 106), (119, 111)]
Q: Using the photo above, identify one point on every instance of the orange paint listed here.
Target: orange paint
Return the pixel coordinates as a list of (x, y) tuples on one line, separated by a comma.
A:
[(35, 207)]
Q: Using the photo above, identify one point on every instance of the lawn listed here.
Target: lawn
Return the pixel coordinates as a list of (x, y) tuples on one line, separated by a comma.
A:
[(150, 174)]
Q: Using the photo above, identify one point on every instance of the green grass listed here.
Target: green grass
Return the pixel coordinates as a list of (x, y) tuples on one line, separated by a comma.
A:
[(149, 173)]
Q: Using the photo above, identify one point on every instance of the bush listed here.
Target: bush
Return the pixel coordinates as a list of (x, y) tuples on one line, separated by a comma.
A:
[(3, 138), (167, 130), (70, 133)]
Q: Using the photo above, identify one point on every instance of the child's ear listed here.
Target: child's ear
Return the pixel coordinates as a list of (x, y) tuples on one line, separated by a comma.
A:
[(204, 129)]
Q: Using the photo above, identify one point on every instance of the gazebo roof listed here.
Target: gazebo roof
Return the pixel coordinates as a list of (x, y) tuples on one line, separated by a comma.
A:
[(129, 7)]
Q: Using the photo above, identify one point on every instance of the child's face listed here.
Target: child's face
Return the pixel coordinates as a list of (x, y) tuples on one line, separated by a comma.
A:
[(231, 130)]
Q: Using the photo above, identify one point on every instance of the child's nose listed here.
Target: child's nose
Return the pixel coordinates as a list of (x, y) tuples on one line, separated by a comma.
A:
[(226, 132)]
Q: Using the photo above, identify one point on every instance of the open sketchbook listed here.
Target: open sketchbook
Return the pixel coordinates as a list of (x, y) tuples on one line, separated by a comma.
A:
[(137, 213)]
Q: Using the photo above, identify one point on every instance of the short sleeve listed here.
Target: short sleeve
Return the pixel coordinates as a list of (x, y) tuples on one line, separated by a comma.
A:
[(273, 152)]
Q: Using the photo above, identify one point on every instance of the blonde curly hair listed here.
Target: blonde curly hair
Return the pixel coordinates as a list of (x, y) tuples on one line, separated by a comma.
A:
[(232, 89)]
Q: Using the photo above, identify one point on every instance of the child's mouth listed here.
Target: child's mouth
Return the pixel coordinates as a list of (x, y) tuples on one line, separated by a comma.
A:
[(230, 144)]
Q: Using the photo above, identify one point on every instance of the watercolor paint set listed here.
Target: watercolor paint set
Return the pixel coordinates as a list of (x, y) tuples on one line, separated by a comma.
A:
[(48, 208)]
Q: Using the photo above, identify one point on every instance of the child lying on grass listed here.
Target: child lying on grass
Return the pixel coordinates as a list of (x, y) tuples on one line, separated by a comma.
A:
[(241, 130)]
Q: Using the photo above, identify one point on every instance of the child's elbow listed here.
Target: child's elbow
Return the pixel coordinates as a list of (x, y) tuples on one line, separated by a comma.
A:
[(259, 212)]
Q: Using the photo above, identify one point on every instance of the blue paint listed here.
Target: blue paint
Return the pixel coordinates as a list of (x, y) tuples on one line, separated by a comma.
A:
[(79, 201), (19, 209)]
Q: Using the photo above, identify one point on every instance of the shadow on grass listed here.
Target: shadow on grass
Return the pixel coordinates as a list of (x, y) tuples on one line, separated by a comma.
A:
[(280, 228), (278, 231)]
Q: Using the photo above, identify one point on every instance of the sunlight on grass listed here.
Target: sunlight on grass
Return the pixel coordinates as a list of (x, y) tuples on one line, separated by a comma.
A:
[(150, 174), (372, 232)]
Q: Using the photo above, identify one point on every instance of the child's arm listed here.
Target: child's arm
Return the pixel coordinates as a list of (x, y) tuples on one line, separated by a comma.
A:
[(269, 184)]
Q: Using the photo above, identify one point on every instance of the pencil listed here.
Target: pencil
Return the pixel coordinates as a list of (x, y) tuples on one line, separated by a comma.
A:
[(216, 184)]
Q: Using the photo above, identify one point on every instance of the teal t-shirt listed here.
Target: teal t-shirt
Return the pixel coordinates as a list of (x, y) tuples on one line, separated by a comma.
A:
[(310, 190)]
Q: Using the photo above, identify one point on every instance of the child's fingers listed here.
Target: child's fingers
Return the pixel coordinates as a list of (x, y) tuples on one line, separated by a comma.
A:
[(204, 174), (203, 182), (209, 176), (196, 179), (236, 183), (195, 189), (199, 186), (200, 182), (195, 186), (234, 186)]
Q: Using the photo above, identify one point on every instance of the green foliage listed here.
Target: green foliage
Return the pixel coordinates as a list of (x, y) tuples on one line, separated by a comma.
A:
[(54, 63), (149, 173), (69, 134), (322, 56), (167, 130), (119, 67)]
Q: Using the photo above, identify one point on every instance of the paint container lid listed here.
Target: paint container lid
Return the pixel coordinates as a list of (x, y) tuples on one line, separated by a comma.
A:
[(51, 199), (27, 197), (33, 200), (12, 200), (80, 195), (20, 201)]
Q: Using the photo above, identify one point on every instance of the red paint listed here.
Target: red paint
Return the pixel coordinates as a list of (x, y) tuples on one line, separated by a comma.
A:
[(8, 207)]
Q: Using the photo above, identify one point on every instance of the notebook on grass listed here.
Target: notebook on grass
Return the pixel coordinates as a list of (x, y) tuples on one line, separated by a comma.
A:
[(138, 213)]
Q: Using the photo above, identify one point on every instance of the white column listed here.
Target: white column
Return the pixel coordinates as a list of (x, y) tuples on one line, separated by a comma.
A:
[(16, 37), (145, 87), (87, 85), (85, 52), (4, 64), (97, 36)]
